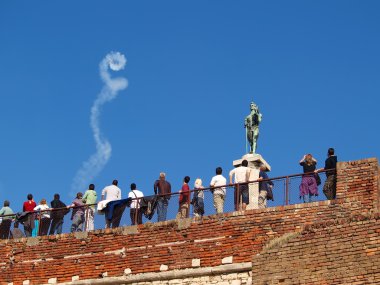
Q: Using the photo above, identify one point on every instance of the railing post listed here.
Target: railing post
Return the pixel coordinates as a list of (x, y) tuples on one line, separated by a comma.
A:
[(238, 205), (188, 204), (86, 219), (137, 211), (287, 190), (39, 225)]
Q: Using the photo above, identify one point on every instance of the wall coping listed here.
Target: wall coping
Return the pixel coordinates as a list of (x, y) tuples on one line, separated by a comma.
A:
[(167, 275)]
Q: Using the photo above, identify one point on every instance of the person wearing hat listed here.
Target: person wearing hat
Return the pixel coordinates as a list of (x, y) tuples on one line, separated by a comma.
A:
[(77, 215)]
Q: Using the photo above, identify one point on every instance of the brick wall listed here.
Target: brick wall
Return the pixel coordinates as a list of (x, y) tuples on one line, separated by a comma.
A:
[(345, 251), (233, 238)]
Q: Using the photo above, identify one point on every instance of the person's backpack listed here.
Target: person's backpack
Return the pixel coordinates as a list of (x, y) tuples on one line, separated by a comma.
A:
[(270, 194)]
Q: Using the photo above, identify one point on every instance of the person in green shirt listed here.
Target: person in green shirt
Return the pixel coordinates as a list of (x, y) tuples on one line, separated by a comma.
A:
[(90, 198), (6, 221)]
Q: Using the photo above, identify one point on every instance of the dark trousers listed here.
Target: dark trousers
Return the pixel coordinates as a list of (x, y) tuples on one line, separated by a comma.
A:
[(44, 226), (56, 226), (136, 216), (5, 227), (116, 217)]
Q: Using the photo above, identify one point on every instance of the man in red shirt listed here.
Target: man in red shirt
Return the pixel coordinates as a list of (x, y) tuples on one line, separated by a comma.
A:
[(28, 206), (184, 199)]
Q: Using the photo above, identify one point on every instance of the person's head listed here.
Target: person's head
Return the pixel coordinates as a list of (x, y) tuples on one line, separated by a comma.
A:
[(79, 195), (133, 186), (43, 202), (56, 196), (253, 106), (30, 197), (263, 167), (331, 151), (198, 183), (115, 182), (309, 159), (162, 175), (218, 170), (6, 203), (91, 187), (186, 179), (244, 163)]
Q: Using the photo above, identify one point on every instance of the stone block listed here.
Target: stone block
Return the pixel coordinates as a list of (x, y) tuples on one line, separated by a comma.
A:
[(81, 235), (236, 282), (164, 267), (127, 271), (196, 262), (131, 230), (52, 281), (104, 274), (25, 282), (227, 260), (75, 278)]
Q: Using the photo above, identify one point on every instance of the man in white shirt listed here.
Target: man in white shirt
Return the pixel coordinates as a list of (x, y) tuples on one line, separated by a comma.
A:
[(241, 174), (111, 192), (135, 213), (220, 192)]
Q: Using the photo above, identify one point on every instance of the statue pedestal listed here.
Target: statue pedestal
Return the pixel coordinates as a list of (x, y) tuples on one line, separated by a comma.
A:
[(254, 162)]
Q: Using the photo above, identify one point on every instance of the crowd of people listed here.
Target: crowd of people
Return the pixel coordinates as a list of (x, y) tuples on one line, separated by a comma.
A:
[(43, 220)]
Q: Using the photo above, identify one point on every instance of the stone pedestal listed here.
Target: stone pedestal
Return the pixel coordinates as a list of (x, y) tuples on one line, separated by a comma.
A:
[(254, 162)]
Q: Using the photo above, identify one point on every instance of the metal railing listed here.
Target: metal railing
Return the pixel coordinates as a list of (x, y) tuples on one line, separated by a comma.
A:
[(283, 189)]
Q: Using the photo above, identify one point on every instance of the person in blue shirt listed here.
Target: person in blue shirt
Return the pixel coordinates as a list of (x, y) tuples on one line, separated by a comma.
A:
[(265, 187)]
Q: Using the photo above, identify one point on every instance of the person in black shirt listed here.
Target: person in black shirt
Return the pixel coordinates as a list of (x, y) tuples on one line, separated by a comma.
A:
[(329, 189), (308, 187), (57, 215)]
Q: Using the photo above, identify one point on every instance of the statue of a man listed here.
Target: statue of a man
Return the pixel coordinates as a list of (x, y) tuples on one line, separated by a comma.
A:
[(252, 122)]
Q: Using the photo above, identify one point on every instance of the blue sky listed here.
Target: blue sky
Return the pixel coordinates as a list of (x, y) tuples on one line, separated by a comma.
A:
[(313, 67)]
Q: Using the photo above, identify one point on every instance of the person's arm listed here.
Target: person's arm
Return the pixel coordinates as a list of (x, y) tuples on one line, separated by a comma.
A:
[(302, 159), (23, 207), (232, 172), (321, 169), (2, 211), (155, 187), (103, 193), (212, 183), (84, 197)]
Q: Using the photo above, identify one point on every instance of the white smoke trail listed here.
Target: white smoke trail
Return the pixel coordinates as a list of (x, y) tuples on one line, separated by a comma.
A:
[(94, 165)]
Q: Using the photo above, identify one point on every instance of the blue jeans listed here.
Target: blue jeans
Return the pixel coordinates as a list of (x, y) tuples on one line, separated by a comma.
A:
[(56, 226), (78, 221), (308, 198), (162, 207)]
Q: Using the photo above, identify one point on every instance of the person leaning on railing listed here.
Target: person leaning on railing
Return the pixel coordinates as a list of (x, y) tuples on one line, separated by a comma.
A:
[(198, 198), (184, 199), (44, 223), (90, 198), (329, 189), (265, 187), (242, 174), (57, 216), (135, 213), (162, 188), (308, 187), (77, 215), (29, 224), (219, 193), (6, 222)]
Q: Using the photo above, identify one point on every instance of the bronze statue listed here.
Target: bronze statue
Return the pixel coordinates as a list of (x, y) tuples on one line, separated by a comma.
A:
[(252, 122)]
